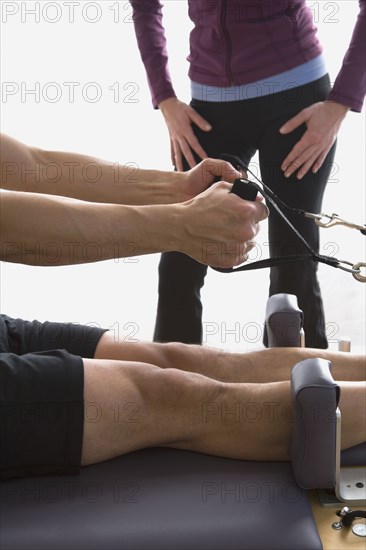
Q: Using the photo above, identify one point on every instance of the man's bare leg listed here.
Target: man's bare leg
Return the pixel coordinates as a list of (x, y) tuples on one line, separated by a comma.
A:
[(132, 405), (268, 365)]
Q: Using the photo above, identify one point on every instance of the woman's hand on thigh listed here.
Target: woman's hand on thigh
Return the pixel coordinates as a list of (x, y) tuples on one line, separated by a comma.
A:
[(179, 118), (322, 121)]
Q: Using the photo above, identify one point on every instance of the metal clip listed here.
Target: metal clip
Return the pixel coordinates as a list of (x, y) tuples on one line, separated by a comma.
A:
[(355, 269), (333, 220)]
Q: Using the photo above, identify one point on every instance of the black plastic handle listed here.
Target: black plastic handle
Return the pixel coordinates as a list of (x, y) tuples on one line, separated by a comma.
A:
[(245, 189)]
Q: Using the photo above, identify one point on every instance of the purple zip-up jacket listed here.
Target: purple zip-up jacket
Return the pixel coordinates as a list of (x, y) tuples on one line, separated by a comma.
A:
[(241, 41)]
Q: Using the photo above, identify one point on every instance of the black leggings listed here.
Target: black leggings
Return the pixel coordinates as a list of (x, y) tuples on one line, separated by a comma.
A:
[(241, 128)]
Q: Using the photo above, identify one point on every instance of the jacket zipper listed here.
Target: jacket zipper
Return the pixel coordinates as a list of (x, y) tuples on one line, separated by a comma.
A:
[(229, 74)]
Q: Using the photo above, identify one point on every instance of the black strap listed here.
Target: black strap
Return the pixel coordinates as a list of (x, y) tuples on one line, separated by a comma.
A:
[(348, 517), (280, 260), (237, 162), (275, 201)]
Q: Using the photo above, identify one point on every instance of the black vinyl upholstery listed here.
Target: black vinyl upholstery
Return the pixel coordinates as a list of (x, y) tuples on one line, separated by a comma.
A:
[(159, 499)]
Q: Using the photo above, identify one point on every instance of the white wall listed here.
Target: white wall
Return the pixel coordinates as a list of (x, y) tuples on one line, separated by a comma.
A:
[(123, 294)]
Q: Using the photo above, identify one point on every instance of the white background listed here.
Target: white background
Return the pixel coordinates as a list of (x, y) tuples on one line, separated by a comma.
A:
[(123, 294)]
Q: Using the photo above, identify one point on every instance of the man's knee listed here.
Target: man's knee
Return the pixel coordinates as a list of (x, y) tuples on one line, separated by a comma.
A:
[(176, 354)]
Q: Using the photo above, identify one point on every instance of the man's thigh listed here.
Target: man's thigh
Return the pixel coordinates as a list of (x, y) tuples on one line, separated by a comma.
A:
[(20, 336)]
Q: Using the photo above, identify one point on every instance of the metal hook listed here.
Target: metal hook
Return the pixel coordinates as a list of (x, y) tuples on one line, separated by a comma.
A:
[(333, 220)]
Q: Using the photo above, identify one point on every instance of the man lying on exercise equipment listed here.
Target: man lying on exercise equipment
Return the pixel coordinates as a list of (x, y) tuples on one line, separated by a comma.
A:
[(70, 395)]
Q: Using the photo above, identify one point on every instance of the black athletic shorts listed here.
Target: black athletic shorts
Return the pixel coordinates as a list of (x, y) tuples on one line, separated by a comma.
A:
[(41, 395)]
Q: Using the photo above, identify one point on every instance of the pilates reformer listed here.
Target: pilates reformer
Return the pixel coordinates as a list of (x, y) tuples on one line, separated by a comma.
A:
[(159, 499), (166, 498)]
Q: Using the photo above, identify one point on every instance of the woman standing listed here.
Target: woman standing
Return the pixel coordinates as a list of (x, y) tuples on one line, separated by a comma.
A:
[(259, 83)]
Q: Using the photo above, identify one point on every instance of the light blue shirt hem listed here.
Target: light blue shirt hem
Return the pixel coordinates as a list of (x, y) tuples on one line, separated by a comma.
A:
[(298, 76)]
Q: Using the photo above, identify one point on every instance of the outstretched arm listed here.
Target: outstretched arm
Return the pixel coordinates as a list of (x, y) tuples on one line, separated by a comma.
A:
[(216, 228), (25, 168), (41, 229)]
